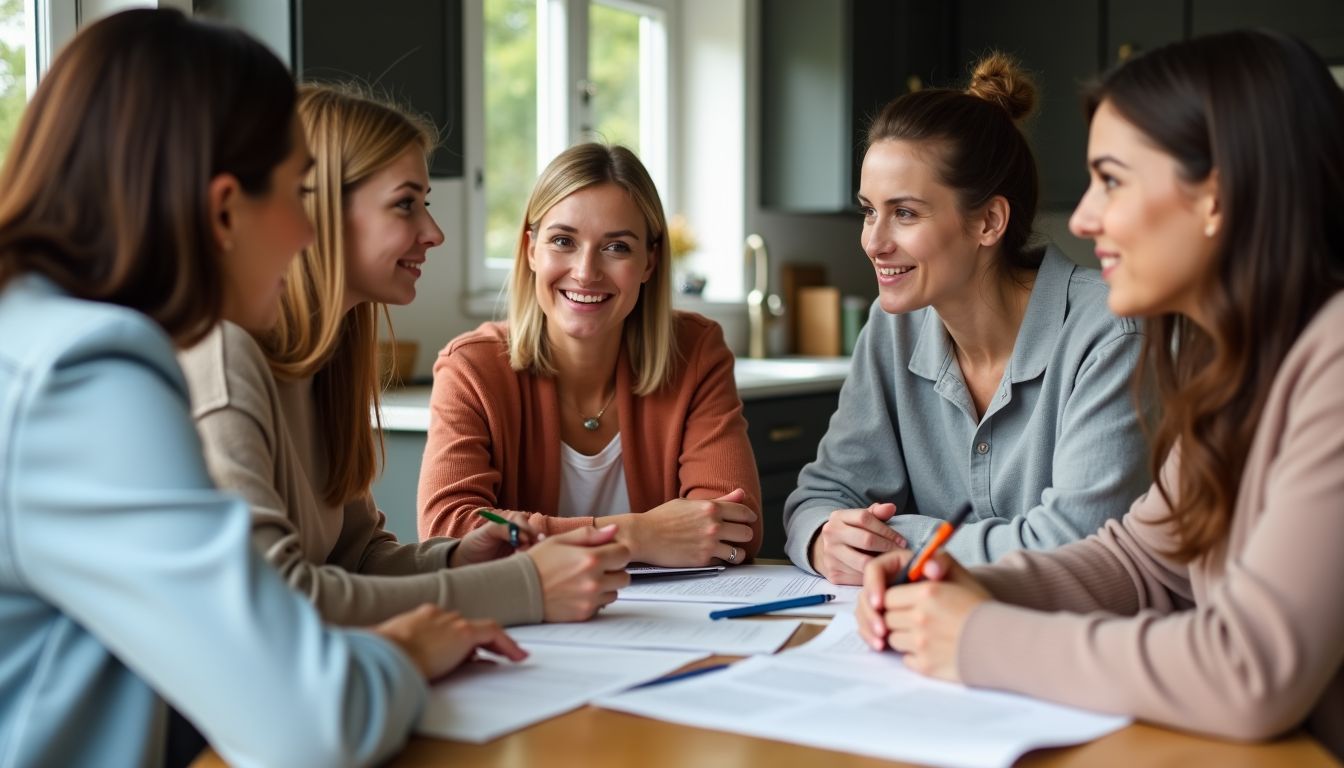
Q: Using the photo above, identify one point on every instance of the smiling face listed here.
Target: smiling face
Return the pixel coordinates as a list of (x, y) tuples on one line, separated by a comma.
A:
[(1155, 233), (264, 234), (922, 248), (590, 253), (388, 231)]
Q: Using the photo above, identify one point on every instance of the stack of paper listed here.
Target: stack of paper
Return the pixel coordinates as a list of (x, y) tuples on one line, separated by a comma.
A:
[(638, 641), (834, 693), (664, 626), (487, 699)]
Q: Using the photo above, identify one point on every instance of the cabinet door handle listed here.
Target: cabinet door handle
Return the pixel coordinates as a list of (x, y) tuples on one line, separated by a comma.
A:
[(785, 434)]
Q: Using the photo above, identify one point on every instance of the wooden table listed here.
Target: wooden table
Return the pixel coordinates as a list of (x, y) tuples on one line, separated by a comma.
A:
[(598, 738)]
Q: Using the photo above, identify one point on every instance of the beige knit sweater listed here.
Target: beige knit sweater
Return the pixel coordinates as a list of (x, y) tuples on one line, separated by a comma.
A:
[(1244, 643), (261, 440)]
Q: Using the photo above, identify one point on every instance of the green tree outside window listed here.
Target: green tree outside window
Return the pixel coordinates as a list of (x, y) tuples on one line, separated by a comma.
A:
[(13, 89)]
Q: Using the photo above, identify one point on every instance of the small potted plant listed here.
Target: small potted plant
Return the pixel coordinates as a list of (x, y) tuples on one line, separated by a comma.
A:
[(681, 243)]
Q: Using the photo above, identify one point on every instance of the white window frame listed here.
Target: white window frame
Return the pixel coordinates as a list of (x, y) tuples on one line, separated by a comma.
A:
[(562, 113), (55, 22)]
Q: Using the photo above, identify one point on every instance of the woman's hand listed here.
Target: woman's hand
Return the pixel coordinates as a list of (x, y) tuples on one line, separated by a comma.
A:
[(922, 620), (685, 532), (491, 541), (580, 572), (438, 641), (848, 541)]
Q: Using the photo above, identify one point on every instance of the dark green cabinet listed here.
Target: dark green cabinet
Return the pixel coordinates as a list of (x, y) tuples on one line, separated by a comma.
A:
[(826, 68), (784, 433), (1320, 23), (395, 488), (1059, 43), (408, 49)]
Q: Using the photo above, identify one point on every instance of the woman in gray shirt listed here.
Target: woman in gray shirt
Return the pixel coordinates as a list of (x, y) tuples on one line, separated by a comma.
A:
[(989, 373)]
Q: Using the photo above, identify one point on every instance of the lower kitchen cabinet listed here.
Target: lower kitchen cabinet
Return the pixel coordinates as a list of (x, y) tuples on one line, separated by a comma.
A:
[(784, 432)]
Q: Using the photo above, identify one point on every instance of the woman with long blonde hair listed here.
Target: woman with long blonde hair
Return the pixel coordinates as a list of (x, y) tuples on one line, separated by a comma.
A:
[(285, 419), (595, 402)]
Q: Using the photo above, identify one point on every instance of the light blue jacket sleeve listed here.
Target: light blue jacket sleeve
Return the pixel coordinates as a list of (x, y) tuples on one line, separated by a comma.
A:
[(1098, 466), (118, 526)]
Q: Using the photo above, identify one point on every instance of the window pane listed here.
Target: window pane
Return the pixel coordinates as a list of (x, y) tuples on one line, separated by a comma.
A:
[(13, 86), (510, 120), (614, 69)]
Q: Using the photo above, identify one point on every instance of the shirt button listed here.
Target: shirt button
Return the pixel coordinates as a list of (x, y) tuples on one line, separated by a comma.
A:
[(982, 448)]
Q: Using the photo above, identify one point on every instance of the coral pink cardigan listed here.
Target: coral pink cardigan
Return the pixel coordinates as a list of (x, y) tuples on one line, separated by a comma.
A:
[(494, 434)]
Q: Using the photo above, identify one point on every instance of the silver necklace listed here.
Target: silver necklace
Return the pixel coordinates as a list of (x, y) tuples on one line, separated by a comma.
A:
[(591, 423)]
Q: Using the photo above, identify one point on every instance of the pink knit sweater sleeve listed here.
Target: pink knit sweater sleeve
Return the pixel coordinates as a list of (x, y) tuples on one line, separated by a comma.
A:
[(1255, 641)]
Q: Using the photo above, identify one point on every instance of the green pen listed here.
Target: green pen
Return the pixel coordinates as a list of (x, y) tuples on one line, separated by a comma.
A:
[(492, 517)]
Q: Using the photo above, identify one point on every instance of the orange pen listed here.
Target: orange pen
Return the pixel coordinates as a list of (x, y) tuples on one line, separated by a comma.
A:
[(914, 570)]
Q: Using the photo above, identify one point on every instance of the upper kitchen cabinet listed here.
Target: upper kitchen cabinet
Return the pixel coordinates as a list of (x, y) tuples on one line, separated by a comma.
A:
[(1320, 23), (409, 50), (1135, 26), (826, 68), (1060, 44)]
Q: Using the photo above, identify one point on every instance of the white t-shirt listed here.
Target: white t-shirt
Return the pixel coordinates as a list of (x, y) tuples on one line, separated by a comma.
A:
[(593, 485)]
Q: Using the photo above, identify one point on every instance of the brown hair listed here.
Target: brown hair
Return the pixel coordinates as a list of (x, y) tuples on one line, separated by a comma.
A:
[(104, 189), (352, 134), (982, 152), (648, 329), (1262, 110)]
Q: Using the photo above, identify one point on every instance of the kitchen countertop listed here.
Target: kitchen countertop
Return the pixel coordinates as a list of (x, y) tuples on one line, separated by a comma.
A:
[(406, 409)]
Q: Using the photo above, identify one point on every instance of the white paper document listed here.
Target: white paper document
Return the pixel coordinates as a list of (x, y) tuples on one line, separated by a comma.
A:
[(484, 700), (667, 626), (834, 694), (748, 584)]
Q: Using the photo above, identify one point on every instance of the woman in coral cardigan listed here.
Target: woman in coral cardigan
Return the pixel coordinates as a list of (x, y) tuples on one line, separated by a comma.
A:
[(595, 399), (284, 414), (1213, 605)]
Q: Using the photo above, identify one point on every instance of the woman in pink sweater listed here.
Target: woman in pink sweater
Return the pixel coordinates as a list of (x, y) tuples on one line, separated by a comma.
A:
[(596, 399), (1214, 604)]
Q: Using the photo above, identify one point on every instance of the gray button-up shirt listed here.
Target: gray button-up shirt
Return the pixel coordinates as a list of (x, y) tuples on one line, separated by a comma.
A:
[(1058, 451)]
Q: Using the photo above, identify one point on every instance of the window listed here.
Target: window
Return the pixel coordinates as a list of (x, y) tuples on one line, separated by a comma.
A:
[(542, 76), (15, 48), (510, 146), (29, 31)]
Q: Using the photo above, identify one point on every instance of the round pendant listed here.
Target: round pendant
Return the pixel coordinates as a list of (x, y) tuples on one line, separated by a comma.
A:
[(591, 424)]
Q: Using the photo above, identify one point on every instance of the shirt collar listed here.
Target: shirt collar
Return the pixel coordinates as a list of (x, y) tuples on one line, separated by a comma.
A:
[(1036, 337)]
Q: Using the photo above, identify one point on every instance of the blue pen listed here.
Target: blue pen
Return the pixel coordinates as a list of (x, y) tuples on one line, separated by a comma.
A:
[(682, 675), (778, 605)]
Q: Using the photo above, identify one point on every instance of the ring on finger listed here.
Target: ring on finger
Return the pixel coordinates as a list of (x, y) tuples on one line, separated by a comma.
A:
[(732, 555)]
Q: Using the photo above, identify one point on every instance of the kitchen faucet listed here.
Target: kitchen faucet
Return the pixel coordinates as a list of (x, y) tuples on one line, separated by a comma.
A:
[(762, 306)]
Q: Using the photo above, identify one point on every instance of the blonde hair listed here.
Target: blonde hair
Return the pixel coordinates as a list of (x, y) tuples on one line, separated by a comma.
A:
[(648, 329), (352, 134)]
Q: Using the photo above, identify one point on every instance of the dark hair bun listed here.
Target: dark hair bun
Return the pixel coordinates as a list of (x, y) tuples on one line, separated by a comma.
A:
[(999, 78)]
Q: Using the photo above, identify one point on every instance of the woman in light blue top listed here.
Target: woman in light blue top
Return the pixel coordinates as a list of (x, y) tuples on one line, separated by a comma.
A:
[(154, 187), (990, 373)]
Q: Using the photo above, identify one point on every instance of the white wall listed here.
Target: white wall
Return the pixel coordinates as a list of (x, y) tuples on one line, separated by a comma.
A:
[(711, 122)]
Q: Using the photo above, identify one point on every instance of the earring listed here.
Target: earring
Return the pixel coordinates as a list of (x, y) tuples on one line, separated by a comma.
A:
[(1210, 229)]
